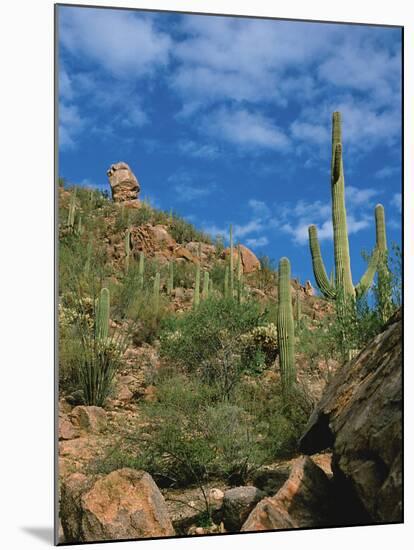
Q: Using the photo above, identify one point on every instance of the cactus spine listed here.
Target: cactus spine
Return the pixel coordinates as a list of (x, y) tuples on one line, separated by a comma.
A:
[(206, 285), (196, 301), (231, 263), (170, 282), (285, 329), (102, 315), (156, 292), (343, 275), (141, 270)]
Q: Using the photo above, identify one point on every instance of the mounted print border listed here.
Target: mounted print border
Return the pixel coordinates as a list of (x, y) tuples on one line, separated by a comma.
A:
[(229, 303)]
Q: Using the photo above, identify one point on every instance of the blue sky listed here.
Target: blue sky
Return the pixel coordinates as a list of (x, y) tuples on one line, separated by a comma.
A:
[(228, 120)]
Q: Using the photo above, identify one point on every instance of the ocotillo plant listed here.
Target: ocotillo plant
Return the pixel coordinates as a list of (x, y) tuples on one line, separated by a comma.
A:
[(170, 282), (231, 263), (285, 329), (343, 275), (102, 315), (127, 247), (156, 292), (72, 210), (141, 271), (206, 285), (196, 300)]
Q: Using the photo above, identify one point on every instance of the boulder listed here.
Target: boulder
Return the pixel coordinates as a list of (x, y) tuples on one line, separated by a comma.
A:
[(270, 480), (360, 417), (125, 504), (89, 418), (303, 501), (237, 505), (124, 185), (66, 429), (249, 261)]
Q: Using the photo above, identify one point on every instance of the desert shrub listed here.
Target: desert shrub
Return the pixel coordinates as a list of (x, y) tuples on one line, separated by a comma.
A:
[(207, 340), (266, 277), (185, 232), (184, 274)]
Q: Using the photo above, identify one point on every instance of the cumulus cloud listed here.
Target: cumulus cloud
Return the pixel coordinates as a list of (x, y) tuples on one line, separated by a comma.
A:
[(70, 125), (396, 201), (123, 43), (246, 129), (257, 243)]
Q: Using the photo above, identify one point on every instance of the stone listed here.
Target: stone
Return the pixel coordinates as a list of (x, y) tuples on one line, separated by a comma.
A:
[(66, 429), (308, 288), (360, 417), (125, 504), (270, 480), (249, 261), (124, 185), (303, 501), (89, 418), (237, 505)]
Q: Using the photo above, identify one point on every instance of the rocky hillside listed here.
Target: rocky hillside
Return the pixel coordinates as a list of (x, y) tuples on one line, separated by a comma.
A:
[(194, 434)]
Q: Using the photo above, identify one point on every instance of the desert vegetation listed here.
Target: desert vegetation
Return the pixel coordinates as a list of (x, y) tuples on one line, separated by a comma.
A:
[(207, 369)]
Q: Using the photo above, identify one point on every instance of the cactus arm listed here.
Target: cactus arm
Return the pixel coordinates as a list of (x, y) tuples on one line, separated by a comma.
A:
[(367, 278), (285, 328), (319, 270), (380, 228)]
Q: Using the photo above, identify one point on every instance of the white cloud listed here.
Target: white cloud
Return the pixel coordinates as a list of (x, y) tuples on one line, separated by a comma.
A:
[(357, 196), (252, 226), (135, 117), (257, 243), (123, 43), (387, 172), (396, 201), (246, 129), (70, 125), (185, 188), (197, 150), (260, 208)]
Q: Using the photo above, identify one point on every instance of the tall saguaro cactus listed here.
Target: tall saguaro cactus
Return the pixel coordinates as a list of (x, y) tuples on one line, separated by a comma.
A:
[(156, 292), (196, 299), (127, 248), (170, 282), (383, 290), (285, 328), (141, 270), (343, 275)]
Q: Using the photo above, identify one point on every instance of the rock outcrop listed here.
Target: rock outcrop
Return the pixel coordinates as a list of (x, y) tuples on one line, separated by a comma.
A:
[(249, 261), (303, 501), (360, 417), (124, 185), (125, 504)]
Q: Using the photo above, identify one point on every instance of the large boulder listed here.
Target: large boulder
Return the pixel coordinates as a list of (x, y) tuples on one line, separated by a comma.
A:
[(249, 261), (360, 417), (124, 185), (125, 504), (304, 500), (92, 419)]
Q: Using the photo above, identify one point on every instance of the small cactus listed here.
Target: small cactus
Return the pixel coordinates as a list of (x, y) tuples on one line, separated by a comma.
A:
[(170, 282), (141, 270), (127, 248), (156, 292), (206, 285), (285, 329), (102, 315), (196, 300)]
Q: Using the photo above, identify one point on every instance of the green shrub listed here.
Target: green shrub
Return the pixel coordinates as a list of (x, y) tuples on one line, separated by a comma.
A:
[(185, 232), (207, 340)]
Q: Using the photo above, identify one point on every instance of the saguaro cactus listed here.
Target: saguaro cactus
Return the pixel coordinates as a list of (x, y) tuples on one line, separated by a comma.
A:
[(226, 281), (156, 292), (383, 289), (239, 276), (196, 300), (170, 282), (127, 248), (285, 328), (141, 270), (206, 285), (72, 210), (102, 315), (343, 275)]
